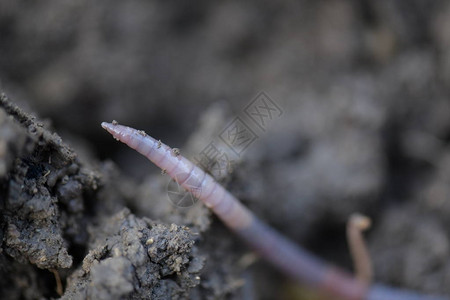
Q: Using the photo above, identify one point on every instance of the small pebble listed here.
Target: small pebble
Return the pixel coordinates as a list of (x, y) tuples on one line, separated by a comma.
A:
[(175, 152), (117, 252)]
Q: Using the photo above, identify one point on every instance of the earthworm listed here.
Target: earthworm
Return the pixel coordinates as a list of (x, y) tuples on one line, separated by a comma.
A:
[(283, 254)]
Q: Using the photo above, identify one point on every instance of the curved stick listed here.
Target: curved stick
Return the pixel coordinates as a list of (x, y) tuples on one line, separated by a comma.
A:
[(283, 254), (358, 249)]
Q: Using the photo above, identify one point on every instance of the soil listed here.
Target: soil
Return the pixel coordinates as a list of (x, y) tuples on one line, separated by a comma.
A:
[(361, 123)]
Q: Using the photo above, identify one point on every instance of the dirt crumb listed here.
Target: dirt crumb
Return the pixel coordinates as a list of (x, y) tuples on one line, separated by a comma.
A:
[(124, 265)]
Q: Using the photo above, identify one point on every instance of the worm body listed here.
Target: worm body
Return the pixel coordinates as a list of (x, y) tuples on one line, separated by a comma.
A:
[(282, 253), (186, 174)]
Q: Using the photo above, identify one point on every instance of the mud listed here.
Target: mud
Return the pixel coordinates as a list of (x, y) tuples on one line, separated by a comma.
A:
[(59, 215), (365, 127)]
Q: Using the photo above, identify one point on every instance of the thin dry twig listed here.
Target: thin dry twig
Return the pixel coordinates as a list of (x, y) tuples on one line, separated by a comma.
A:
[(59, 287), (356, 224)]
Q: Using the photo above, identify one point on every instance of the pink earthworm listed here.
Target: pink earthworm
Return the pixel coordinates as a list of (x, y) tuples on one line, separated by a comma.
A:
[(289, 258)]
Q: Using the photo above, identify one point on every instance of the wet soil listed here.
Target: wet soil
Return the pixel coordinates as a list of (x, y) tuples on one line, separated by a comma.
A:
[(363, 125)]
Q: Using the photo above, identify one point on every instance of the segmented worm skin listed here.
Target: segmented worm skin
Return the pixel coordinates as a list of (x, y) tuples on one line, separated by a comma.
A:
[(283, 254), (187, 174)]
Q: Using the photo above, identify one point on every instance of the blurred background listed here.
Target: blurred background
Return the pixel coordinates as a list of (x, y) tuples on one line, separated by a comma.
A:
[(364, 87)]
